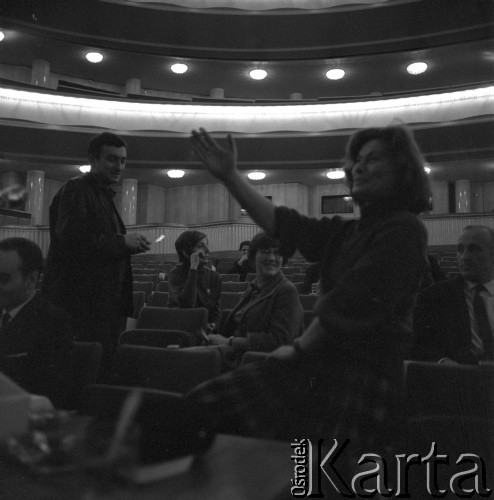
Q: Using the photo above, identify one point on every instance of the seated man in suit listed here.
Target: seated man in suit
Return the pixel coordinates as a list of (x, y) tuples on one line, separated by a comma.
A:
[(454, 319), (35, 336)]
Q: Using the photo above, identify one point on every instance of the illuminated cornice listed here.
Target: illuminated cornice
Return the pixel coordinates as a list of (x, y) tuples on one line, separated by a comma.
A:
[(256, 4), (52, 109)]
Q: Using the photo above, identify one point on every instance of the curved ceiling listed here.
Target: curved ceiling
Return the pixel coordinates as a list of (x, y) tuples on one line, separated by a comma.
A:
[(296, 43)]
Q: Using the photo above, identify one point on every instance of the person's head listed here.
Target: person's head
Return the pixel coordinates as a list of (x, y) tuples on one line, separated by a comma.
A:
[(264, 251), (21, 263), (107, 154), (243, 248), (476, 254), (385, 165), (189, 242)]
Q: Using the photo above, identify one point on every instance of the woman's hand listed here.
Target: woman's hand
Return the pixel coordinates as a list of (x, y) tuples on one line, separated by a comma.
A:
[(283, 354), (221, 162)]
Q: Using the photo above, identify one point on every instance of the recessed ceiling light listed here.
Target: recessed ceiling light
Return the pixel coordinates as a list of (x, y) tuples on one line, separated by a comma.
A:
[(416, 68), (258, 74), (175, 174), (85, 168), (2, 35), (427, 169), (179, 68), (256, 176), (335, 74), (94, 57), (335, 173)]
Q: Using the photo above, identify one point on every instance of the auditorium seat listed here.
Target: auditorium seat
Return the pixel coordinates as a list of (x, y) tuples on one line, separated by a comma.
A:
[(232, 286), (87, 359), (171, 318), (223, 267), (158, 299), (153, 277), (289, 270), (229, 277), (153, 337), (139, 300), (163, 286), (298, 277), (143, 286), (451, 406), (175, 370), (251, 277)]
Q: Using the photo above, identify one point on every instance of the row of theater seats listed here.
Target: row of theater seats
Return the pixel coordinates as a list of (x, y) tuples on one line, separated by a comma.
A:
[(448, 412)]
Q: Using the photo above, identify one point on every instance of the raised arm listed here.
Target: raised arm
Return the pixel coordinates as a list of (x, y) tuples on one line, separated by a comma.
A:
[(222, 163)]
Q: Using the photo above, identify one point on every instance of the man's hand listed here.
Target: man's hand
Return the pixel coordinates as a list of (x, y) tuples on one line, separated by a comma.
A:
[(137, 243)]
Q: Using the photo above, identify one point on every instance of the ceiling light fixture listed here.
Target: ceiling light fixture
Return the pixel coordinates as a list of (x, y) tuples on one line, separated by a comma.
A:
[(335, 173), (179, 68), (94, 57), (427, 169), (175, 174), (416, 68), (256, 176), (335, 74), (2, 35), (258, 74), (85, 168)]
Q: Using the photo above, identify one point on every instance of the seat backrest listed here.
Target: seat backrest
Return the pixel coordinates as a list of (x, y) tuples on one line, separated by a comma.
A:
[(153, 277), (298, 277), (139, 299), (173, 318), (288, 270), (175, 370), (87, 360), (224, 266), (443, 389), (157, 338), (158, 299), (143, 286), (229, 277), (168, 423), (232, 286), (251, 276), (163, 286), (230, 299)]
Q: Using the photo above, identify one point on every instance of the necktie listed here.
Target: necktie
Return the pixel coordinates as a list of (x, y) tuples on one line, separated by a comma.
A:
[(483, 326), (5, 319)]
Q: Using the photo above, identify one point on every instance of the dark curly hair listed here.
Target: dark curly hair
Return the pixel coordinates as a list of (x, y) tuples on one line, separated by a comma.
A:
[(412, 188), (261, 241)]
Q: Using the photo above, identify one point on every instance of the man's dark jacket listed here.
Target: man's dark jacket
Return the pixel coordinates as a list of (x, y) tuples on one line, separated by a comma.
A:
[(442, 324), (36, 351), (88, 269)]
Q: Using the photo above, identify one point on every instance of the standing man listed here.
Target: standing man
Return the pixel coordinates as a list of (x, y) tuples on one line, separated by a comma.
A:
[(35, 336), (88, 271), (454, 319)]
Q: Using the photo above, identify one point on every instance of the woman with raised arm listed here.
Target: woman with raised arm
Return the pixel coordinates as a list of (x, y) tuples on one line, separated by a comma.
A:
[(342, 379)]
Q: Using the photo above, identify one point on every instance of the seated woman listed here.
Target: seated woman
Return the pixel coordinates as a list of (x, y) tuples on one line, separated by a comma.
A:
[(269, 313), (191, 283), (244, 265)]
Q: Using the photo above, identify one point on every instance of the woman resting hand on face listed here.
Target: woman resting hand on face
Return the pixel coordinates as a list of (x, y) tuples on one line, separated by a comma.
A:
[(342, 378), (191, 282)]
